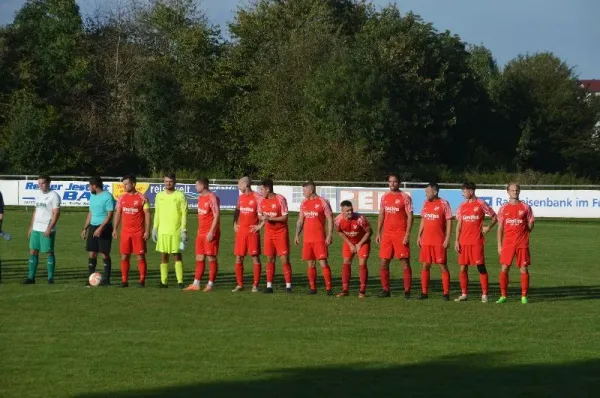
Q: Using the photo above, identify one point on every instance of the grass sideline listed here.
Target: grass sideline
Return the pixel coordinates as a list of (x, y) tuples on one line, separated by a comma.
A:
[(64, 340)]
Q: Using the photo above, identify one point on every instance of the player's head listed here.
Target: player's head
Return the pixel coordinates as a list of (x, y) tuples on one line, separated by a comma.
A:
[(201, 184), (129, 182), (309, 188), (170, 179), (468, 190), (96, 184), (44, 183), (347, 209), (393, 182), (266, 187), (431, 191), (514, 190), (245, 184)]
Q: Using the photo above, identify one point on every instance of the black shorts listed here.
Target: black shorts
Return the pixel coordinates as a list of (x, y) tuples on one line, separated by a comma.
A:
[(103, 243)]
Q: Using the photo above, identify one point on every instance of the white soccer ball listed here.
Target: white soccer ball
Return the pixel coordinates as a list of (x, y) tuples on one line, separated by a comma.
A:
[(95, 279)]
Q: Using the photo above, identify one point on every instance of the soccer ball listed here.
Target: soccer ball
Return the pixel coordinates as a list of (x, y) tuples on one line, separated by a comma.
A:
[(95, 279)]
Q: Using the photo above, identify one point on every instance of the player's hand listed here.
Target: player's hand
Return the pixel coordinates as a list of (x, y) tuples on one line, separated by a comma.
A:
[(358, 246), (29, 233), (209, 236), (353, 249), (328, 240), (296, 240), (406, 240), (499, 250), (236, 228), (254, 228), (457, 247), (146, 235), (418, 241), (97, 232), (485, 229), (115, 235), (378, 239), (47, 232), (446, 243), (155, 235), (84, 233), (184, 236)]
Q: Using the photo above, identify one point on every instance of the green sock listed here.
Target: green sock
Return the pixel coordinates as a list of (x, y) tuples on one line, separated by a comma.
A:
[(33, 262), (51, 262), (164, 273), (179, 271)]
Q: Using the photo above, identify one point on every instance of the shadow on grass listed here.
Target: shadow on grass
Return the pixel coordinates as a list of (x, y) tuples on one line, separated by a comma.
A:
[(478, 375)]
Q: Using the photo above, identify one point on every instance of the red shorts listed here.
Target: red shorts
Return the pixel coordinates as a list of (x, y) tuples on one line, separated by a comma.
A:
[(431, 254), (206, 248), (314, 251), (133, 244), (277, 245), (393, 247), (247, 244), (364, 251), (508, 253), (471, 255)]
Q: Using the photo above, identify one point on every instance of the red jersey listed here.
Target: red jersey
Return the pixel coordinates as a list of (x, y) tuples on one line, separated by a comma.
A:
[(396, 206), (471, 215), (354, 228), (515, 219), (275, 207), (434, 214), (208, 208), (249, 207), (315, 212), (132, 206)]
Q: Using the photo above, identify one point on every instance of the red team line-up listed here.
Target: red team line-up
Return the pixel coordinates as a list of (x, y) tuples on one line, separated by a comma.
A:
[(268, 210)]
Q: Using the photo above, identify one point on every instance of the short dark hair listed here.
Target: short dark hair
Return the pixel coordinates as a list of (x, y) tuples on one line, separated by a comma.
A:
[(310, 183), (469, 185), (44, 177), (393, 175), (203, 181), (433, 185), (129, 177), (97, 181), (268, 183), (170, 176), (346, 203)]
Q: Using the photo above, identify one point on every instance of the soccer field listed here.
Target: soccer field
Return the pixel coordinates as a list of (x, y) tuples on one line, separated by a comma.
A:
[(64, 340)]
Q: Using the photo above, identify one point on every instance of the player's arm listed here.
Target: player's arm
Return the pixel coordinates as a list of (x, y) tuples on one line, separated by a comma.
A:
[(530, 220), (117, 218), (1, 211), (421, 229), (380, 219), (216, 209), (458, 228), (492, 214), (299, 226), (448, 217), (408, 206), (183, 211), (499, 236), (329, 218), (105, 222), (88, 219), (55, 215), (368, 233), (147, 221), (156, 219)]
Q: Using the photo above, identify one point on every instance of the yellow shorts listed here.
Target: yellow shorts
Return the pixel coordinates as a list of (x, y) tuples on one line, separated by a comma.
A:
[(169, 244)]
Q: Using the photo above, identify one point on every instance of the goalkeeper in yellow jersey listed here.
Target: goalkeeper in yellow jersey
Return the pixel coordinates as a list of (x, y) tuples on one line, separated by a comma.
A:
[(169, 232)]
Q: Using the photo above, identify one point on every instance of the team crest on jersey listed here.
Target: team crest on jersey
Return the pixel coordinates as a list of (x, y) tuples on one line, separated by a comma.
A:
[(355, 226), (273, 206), (397, 201), (521, 212), (206, 204), (475, 208), (251, 202), (436, 208), (135, 202), (317, 206)]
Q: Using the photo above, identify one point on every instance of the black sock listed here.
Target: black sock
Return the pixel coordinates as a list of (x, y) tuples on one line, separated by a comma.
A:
[(481, 268), (92, 265), (107, 269)]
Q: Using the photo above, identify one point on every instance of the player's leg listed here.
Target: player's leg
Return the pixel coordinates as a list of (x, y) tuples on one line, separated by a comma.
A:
[(240, 250), (322, 254), (92, 247), (507, 255), (440, 256), (484, 281), (402, 252), (463, 276), (363, 256), (287, 270), (104, 247), (47, 247), (125, 248), (426, 258), (139, 248), (523, 261), (308, 255), (386, 253), (142, 269), (347, 257), (211, 252), (164, 264), (270, 251), (34, 249), (200, 267), (178, 257), (254, 250)]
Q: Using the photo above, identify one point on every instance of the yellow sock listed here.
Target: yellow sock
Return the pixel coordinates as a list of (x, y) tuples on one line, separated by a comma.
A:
[(164, 273), (179, 271)]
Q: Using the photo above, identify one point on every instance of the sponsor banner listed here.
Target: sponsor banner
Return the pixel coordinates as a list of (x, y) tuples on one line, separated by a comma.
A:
[(546, 203), (228, 194), (72, 193), (10, 192)]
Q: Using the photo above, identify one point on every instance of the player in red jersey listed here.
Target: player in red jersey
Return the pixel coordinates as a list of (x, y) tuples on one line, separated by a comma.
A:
[(133, 211), (314, 210), (209, 235), (515, 223), (247, 239), (434, 237), (277, 240), (470, 240), (393, 234), (355, 231)]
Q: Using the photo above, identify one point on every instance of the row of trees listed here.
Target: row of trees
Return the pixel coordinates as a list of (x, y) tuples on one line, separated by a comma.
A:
[(329, 89)]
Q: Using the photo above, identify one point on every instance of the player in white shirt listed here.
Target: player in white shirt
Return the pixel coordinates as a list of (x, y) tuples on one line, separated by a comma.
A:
[(42, 230)]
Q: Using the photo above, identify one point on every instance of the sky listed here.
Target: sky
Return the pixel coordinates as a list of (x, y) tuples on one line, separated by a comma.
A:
[(569, 29)]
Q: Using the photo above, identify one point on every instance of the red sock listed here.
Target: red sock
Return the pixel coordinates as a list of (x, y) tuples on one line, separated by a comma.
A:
[(199, 274), (483, 279), (312, 277), (239, 274), (287, 273), (142, 268), (407, 279), (346, 274), (213, 269), (446, 282), (384, 275), (364, 277), (524, 284), (124, 271), (464, 282), (425, 274), (257, 271), (327, 277), (270, 272), (503, 283)]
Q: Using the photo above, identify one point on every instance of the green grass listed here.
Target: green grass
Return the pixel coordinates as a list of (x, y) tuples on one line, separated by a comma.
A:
[(66, 340)]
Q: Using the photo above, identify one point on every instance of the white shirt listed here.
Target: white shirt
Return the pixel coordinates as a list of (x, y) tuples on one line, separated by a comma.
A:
[(44, 204)]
